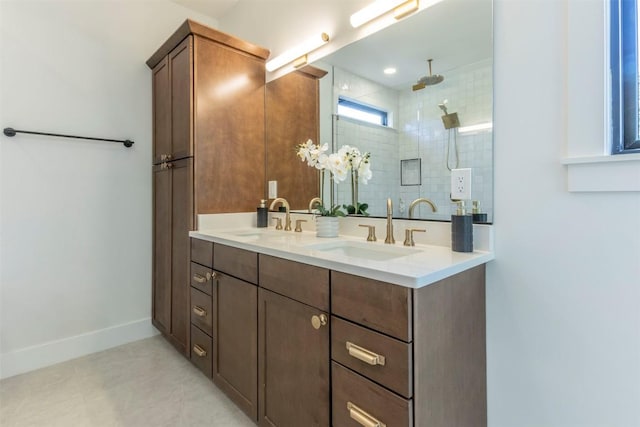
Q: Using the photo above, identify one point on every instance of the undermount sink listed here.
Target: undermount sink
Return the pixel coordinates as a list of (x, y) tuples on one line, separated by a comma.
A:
[(369, 251)]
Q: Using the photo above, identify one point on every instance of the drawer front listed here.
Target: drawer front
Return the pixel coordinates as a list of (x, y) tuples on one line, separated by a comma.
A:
[(302, 282), (202, 278), (378, 357), (358, 402), (202, 252), (201, 311), (236, 262), (377, 305), (201, 350)]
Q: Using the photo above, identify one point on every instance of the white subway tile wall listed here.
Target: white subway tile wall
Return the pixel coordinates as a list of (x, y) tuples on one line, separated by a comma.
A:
[(416, 131)]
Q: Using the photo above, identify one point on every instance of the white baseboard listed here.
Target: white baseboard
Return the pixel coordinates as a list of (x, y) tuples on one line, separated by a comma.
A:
[(47, 354)]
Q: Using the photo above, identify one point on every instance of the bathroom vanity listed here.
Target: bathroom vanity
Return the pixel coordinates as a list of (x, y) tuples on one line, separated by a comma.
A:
[(298, 334)]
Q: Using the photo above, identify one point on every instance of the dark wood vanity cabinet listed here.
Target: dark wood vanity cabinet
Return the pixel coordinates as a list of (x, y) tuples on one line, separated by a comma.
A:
[(409, 357), (235, 326), (208, 137), (293, 343), (224, 324)]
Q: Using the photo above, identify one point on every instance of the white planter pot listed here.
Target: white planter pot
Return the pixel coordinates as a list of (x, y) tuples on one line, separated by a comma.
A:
[(327, 226)]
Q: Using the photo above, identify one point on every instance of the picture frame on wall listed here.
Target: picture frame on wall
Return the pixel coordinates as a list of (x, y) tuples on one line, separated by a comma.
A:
[(411, 172)]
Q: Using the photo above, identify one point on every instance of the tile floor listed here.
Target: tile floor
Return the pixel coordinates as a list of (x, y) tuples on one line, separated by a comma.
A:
[(144, 383)]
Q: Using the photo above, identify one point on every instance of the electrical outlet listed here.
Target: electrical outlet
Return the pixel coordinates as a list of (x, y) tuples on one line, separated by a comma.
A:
[(461, 184), (273, 189)]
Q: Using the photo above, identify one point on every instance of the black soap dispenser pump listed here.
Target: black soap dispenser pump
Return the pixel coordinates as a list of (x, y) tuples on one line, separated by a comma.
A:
[(461, 229), (263, 213), (478, 216)]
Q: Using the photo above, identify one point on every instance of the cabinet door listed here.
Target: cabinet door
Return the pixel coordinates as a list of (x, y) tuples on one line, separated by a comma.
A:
[(161, 111), (229, 128), (293, 363), (181, 224), (235, 361), (161, 291), (181, 66)]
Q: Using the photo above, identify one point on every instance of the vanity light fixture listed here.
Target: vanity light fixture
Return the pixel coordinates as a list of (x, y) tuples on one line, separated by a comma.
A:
[(476, 128), (401, 8), (297, 54)]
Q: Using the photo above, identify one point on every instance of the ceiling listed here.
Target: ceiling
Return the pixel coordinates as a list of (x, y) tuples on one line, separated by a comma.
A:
[(212, 8), (453, 32)]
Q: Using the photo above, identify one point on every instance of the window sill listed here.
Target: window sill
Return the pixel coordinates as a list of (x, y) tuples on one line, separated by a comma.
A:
[(603, 173)]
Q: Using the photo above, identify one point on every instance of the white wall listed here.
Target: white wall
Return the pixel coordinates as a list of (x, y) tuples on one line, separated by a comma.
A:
[(75, 224), (563, 295)]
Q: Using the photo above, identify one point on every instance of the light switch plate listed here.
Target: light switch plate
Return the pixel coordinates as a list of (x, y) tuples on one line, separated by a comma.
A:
[(273, 189)]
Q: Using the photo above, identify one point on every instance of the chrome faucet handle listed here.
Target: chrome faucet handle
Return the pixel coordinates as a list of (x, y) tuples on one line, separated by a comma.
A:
[(372, 232), (278, 223), (408, 236), (299, 225)]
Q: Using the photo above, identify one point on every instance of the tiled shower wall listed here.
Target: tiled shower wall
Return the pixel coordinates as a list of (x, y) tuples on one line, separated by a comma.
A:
[(418, 133), (381, 142), (422, 135)]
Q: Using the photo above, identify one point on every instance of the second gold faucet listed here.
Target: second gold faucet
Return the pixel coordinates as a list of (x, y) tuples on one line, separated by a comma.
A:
[(287, 220)]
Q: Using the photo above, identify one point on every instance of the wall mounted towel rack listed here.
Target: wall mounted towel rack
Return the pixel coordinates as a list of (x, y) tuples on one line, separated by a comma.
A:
[(13, 132)]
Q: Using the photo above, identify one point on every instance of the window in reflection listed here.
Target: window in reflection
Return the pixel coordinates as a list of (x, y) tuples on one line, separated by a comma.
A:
[(362, 112)]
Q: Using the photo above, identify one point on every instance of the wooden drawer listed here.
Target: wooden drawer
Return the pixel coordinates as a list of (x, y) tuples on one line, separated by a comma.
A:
[(202, 252), (236, 262), (354, 396), (201, 350), (201, 278), (377, 305), (380, 358), (201, 311), (302, 282)]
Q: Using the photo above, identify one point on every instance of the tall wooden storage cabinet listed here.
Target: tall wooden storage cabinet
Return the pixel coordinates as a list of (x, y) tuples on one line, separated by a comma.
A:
[(208, 152)]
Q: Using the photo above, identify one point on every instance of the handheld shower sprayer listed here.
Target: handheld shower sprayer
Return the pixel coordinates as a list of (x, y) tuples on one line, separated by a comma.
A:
[(443, 106)]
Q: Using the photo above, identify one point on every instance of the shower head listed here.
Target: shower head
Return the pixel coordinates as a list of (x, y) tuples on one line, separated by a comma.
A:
[(430, 80), (443, 105)]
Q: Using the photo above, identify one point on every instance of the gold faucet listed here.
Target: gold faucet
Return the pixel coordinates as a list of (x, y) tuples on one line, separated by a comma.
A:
[(416, 202), (315, 201), (287, 220), (389, 238)]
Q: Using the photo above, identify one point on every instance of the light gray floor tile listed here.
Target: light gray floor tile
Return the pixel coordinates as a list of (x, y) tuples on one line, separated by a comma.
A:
[(144, 383)]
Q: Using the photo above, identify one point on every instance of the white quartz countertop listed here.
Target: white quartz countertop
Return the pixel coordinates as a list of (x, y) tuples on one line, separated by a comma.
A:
[(412, 267)]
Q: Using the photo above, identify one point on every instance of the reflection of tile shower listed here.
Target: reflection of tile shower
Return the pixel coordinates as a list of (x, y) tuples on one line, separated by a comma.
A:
[(451, 122)]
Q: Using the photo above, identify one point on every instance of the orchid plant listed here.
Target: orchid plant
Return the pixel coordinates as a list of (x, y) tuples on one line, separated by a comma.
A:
[(347, 162)]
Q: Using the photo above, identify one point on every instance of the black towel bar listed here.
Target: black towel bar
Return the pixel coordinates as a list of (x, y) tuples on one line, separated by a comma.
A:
[(13, 132)]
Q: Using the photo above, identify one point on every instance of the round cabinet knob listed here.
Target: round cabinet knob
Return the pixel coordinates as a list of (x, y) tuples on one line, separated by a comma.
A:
[(318, 321)]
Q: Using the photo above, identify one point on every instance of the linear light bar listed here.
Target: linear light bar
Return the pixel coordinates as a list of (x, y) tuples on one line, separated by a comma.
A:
[(297, 52), (401, 8), (475, 128)]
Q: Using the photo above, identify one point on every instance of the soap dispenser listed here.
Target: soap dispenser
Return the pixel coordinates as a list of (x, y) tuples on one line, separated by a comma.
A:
[(478, 216), (263, 213), (461, 229)]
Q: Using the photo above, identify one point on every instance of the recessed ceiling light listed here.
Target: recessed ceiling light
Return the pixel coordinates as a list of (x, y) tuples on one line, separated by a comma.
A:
[(390, 70)]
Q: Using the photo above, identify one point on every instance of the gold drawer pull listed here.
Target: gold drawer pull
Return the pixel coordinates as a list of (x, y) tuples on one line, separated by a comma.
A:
[(199, 311), (201, 279), (365, 355), (363, 418), (199, 351)]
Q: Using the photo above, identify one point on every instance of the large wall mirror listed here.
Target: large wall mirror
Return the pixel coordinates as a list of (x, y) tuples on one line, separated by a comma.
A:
[(412, 155)]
